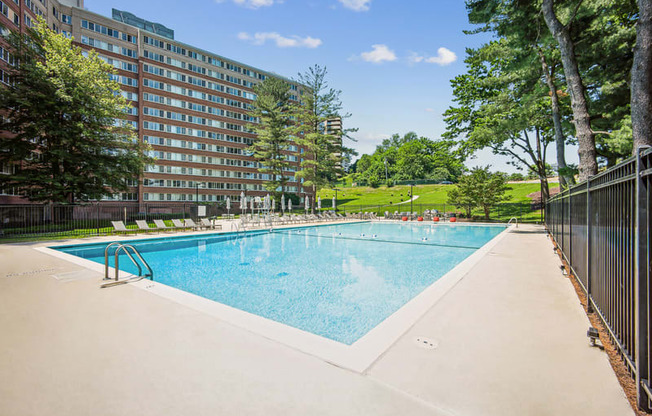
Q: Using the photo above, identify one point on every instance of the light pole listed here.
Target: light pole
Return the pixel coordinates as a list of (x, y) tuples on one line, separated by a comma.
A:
[(335, 207), (411, 201)]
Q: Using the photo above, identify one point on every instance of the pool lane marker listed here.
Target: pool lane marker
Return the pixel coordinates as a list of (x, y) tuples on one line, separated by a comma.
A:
[(377, 240)]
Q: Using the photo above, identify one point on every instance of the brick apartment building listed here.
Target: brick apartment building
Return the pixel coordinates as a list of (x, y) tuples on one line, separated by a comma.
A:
[(190, 105)]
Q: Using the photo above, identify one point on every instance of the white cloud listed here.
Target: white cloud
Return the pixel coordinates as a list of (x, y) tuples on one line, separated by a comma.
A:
[(357, 5), (444, 57), (260, 38), (380, 53), (430, 110), (253, 4)]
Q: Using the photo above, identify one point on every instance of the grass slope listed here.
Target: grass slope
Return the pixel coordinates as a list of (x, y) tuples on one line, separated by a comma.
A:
[(428, 194)]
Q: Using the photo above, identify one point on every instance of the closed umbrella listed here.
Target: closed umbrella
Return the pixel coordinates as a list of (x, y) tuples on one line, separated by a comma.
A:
[(272, 204), (228, 205), (289, 205), (319, 203), (243, 202), (334, 206), (283, 204), (252, 205), (307, 203)]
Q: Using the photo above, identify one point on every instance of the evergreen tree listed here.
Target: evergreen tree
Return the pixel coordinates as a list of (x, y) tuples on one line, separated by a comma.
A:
[(322, 160), (272, 109), (60, 111)]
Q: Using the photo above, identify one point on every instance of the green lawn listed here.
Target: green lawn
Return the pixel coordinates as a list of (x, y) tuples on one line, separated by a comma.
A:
[(428, 194)]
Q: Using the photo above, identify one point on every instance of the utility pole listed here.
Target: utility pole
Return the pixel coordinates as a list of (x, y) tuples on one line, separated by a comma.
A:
[(411, 201)]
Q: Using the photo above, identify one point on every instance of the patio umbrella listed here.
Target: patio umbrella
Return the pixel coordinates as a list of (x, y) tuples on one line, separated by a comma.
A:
[(334, 207), (289, 205), (319, 203), (283, 204), (252, 204), (272, 204), (243, 201), (228, 205), (307, 202)]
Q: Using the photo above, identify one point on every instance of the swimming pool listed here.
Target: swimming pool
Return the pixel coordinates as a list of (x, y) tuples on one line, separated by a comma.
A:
[(334, 281)]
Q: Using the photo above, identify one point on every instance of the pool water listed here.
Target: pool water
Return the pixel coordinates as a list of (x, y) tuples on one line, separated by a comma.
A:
[(336, 281)]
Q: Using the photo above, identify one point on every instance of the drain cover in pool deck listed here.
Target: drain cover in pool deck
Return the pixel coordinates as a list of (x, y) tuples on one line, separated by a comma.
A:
[(426, 343)]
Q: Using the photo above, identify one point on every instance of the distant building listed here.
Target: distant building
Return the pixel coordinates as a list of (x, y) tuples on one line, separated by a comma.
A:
[(189, 104)]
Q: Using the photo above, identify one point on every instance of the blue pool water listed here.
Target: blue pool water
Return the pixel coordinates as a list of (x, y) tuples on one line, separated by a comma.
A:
[(337, 281)]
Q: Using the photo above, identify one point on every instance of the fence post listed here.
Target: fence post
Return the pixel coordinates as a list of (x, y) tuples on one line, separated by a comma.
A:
[(97, 218), (589, 306), (641, 284)]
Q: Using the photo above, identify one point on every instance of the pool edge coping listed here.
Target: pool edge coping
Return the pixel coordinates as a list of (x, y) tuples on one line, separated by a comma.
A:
[(358, 357)]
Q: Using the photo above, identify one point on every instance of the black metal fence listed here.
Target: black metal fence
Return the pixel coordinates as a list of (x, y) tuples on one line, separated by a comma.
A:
[(68, 221), (603, 228), (63, 221)]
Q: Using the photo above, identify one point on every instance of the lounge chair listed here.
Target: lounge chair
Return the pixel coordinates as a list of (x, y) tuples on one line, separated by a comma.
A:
[(208, 224), (191, 224), (179, 225), (143, 226), (160, 225), (119, 226)]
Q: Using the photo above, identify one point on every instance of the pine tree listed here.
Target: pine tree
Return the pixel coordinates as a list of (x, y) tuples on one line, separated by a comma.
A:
[(322, 160), (272, 109)]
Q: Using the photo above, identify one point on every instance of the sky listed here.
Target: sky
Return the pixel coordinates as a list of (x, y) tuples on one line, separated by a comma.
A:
[(393, 60)]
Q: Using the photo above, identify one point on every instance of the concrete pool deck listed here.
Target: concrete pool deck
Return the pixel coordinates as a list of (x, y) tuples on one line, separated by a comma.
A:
[(509, 339)]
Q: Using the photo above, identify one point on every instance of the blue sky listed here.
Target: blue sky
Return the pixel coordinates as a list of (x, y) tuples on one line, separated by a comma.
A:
[(393, 60)]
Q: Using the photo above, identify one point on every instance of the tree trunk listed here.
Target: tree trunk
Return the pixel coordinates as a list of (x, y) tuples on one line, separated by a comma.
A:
[(641, 87), (545, 191), (560, 141), (486, 212), (581, 118)]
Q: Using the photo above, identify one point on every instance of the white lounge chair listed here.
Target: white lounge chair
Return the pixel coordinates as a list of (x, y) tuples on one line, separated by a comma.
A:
[(160, 225), (179, 225), (119, 226), (191, 224), (143, 226), (208, 224)]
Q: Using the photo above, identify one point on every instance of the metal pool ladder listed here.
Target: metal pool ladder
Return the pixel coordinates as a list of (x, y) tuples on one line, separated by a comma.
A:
[(515, 221), (126, 248)]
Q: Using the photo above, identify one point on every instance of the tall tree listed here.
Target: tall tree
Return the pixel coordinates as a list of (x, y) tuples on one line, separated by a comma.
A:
[(519, 24), (272, 110), (503, 109), (62, 111), (642, 78), (581, 117), (322, 160)]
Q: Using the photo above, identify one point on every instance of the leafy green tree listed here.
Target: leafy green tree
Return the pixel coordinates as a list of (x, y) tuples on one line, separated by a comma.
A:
[(602, 34), (480, 188), (462, 201), (502, 109), (322, 161), (411, 157), (272, 109), (61, 110)]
